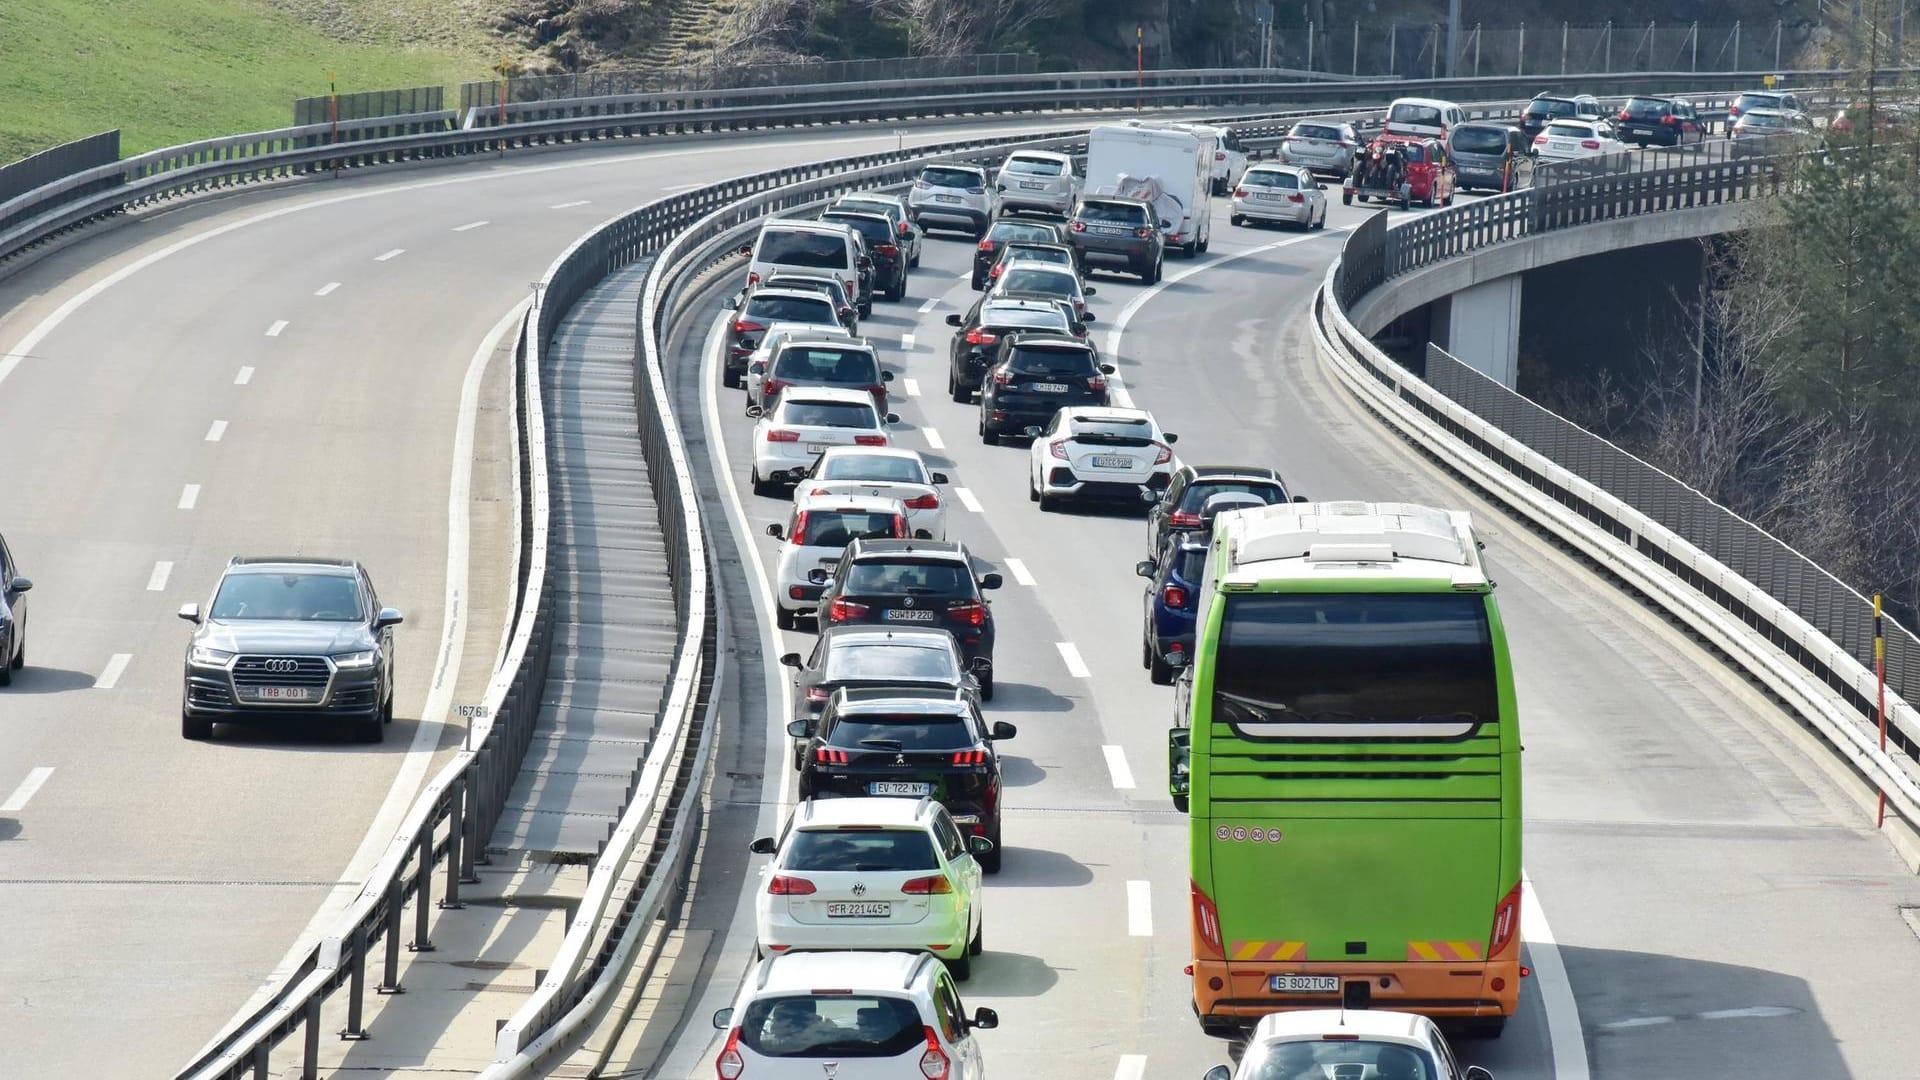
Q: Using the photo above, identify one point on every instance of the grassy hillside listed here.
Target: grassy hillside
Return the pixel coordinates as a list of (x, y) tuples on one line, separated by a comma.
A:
[(169, 71)]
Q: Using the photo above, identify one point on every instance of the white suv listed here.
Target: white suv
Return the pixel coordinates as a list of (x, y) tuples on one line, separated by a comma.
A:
[(857, 1016), (1036, 180), (873, 873), (953, 197)]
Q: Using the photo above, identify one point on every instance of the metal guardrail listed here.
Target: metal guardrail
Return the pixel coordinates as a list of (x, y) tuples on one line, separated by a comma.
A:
[(1794, 626)]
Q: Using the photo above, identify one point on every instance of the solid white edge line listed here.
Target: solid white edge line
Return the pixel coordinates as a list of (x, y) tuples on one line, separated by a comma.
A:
[(933, 438), (1564, 1033), (1131, 1067), (1140, 298), (326, 289), (243, 376), (913, 387), (470, 226), (569, 205), (1139, 909), (110, 675), (158, 579), (278, 325), (392, 254), (17, 801), (189, 497), (967, 499), (216, 431), (1117, 767), (1076, 665), (433, 715), (1019, 570)]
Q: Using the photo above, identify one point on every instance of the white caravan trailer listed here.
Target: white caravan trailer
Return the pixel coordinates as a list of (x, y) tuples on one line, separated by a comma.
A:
[(1170, 168)]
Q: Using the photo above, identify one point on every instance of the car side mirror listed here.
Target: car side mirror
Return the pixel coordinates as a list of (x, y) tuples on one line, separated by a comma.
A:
[(1165, 224), (745, 249), (886, 376), (1107, 369), (800, 729), (1088, 319), (388, 617), (1477, 1072), (1301, 498), (191, 613), (791, 660), (980, 845), (1218, 1072), (1144, 568), (762, 846), (817, 576), (1170, 437), (1030, 432), (1003, 730), (955, 320), (991, 581), (756, 411), (922, 534), (985, 1019), (776, 531), (979, 665), (723, 1019), (865, 263), (1090, 291), (21, 584), (893, 418), (938, 478)]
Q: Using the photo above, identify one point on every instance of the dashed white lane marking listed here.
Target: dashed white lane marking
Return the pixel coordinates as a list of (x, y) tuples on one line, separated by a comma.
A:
[(1139, 909), (1076, 667), (17, 801), (278, 325), (1117, 765), (913, 387), (933, 438), (1019, 571), (1556, 993), (189, 495), (158, 579), (216, 431), (470, 225), (1131, 1067), (932, 302), (906, 342), (110, 675), (394, 254), (244, 377), (966, 499), (327, 288), (569, 205)]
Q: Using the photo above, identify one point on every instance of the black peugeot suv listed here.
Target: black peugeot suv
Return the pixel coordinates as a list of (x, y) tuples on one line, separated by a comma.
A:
[(913, 583), (911, 744)]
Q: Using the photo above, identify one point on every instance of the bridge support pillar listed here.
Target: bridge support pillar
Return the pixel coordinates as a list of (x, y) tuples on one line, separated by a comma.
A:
[(1482, 327)]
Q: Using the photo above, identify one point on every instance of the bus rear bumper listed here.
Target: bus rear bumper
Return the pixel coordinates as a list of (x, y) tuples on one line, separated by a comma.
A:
[(1236, 994)]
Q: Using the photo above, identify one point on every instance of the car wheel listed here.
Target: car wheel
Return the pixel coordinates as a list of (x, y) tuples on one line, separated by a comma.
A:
[(986, 686), (1159, 671), (988, 435), (1152, 276), (386, 709), (961, 966), (194, 727), (977, 282), (979, 943), (1033, 490), (784, 619), (1146, 652), (1236, 220), (761, 487), (866, 309), (1346, 198), (20, 657), (369, 730), (1048, 503), (729, 380), (990, 862)]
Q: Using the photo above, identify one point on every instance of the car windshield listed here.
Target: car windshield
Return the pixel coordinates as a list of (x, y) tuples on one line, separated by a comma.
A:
[(910, 732), (1026, 361), (1202, 490), (838, 528), (795, 247), (1362, 1056), (1113, 214), (1014, 230), (1419, 115), (830, 414), (882, 660), (816, 364), (1648, 107), (1271, 178), (909, 578), (832, 1026), (800, 309), (906, 470), (1034, 166), (1479, 140), (308, 597), (1037, 279), (859, 850), (875, 230), (940, 176), (1316, 131)]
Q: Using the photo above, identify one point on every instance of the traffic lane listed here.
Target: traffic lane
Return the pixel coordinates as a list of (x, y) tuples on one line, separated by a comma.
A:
[(1633, 735)]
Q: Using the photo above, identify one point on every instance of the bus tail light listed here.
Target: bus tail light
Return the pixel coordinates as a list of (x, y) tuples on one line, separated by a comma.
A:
[(1506, 919), (1206, 920)]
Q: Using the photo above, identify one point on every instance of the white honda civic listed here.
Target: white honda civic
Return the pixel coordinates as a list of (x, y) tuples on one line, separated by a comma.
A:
[(1100, 452)]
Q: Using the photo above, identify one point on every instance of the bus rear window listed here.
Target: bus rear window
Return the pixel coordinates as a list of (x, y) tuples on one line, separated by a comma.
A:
[(1363, 665)]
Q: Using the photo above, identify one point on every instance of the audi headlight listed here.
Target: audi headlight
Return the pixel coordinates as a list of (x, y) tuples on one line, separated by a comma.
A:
[(355, 660), (202, 656)]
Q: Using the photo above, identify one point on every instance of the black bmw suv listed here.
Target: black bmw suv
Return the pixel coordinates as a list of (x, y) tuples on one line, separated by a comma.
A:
[(1035, 376), (913, 583), (290, 638), (912, 744)]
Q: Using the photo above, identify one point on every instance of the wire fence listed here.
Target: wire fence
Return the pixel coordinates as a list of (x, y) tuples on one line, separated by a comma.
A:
[(1416, 51)]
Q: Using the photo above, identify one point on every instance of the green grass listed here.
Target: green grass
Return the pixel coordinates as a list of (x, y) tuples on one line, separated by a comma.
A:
[(171, 71)]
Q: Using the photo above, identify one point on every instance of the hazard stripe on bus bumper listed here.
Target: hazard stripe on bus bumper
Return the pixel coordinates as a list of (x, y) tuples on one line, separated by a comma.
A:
[(1269, 950), (1443, 950)]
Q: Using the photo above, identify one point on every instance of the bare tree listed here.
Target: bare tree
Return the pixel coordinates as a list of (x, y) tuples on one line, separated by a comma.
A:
[(957, 27)]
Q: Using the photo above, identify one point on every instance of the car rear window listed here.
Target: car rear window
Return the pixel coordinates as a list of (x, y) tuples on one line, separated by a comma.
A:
[(1026, 320), (873, 467), (827, 364), (1757, 101), (828, 289), (1647, 107), (1003, 231), (1547, 107), (945, 176), (888, 661), (875, 230), (1106, 438), (1112, 213), (1035, 361), (832, 1025), (796, 248), (1419, 115), (922, 578), (1479, 140), (1201, 490), (1761, 120), (858, 850), (831, 414), (1570, 131), (1316, 131), (838, 528), (1034, 166), (912, 731), (800, 309), (1271, 178), (1037, 279)]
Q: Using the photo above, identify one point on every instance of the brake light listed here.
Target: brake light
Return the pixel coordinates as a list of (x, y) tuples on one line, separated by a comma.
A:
[(929, 501), (744, 326), (1219, 155), (818, 693), (1240, 193), (977, 190), (1624, 116), (1165, 455), (831, 757), (1183, 519), (783, 435), (937, 885), (842, 609), (1206, 920), (1097, 383), (796, 592), (995, 272), (1540, 139), (1296, 197), (1506, 917), (1174, 595), (729, 1064), (799, 534), (1058, 450), (933, 1062), (969, 757), (783, 885), (921, 184), (905, 229), (987, 245), (753, 279), (1590, 144), (1668, 121), (900, 526), (968, 613), (889, 250), (1002, 377), (772, 386), (1078, 226), (869, 440), (1733, 110), (1144, 232), (980, 336), (879, 392)]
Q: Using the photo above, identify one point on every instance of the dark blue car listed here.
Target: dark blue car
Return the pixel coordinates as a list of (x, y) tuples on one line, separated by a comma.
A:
[(1171, 599)]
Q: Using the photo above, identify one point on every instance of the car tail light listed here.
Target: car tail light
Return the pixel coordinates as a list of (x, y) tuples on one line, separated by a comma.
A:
[(900, 526), (1540, 139), (981, 190), (869, 440), (969, 757), (1733, 110), (783, 435), (987, 245), (979, 336), (1183, 519), (1174, 595), (796, 592), (1078, 226), (753, 279), (1296, 197), (929, 501), (1624, 116), (745, 326), (1219, 155), (1097, 383), (936, 885), (1058, 450), (1144, 232), (1590, 144), (782, 885), (1506, 917), (1165, 455), (906, 229), (1206, 920), (879, 392), (1240, 193), (826, 756), (968, 613), (772, 386), (1669, 121), (995, 272), (818, 693), (1002, 377), (799, 534), (730, 1064), (842, 609), (933, 1061), (889, 250), (1175, 237)]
